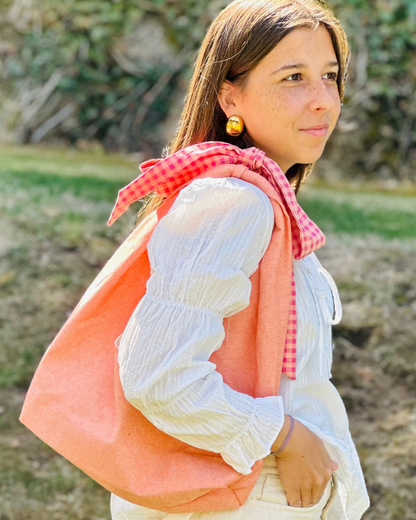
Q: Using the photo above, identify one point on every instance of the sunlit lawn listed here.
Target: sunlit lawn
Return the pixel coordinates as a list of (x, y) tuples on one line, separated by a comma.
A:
[(97, 177), (391, 215)]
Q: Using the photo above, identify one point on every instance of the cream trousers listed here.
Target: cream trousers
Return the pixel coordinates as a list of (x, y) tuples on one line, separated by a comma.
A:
[(267, 501)]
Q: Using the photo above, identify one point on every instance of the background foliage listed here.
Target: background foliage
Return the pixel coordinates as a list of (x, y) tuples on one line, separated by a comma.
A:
[(115, 73)]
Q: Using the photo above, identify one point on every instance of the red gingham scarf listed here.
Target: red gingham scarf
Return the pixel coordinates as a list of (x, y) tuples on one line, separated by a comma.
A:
[(166, 175)]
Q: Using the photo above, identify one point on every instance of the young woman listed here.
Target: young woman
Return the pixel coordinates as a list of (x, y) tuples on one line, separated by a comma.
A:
[(269, 76)]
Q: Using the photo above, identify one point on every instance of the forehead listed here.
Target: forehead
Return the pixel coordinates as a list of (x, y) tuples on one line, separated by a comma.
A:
[(305, 45)]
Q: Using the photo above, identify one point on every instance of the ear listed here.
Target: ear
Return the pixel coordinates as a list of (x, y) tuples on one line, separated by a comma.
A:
[(227, 98)]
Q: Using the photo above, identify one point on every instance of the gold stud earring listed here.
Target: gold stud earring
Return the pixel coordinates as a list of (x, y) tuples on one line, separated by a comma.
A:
[(235, 126)]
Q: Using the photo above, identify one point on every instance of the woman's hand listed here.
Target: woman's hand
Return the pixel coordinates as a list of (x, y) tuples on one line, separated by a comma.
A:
[(304, 465)]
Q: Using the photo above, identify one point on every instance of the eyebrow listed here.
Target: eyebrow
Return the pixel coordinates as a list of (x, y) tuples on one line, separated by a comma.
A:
[(303, 66)]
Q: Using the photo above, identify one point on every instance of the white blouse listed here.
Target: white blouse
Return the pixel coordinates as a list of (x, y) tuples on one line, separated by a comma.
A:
[(202, 253)]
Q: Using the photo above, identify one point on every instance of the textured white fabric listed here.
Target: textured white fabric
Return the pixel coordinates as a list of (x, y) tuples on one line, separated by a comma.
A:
[(202, 254)]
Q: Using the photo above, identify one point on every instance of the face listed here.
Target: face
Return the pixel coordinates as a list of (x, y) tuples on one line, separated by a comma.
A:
[(290, 102)]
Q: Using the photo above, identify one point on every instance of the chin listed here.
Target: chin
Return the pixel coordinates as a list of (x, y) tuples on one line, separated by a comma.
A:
[(312, 157), (309, 161)]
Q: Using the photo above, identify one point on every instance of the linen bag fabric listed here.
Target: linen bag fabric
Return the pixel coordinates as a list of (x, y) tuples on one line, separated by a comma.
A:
[(76, 404)]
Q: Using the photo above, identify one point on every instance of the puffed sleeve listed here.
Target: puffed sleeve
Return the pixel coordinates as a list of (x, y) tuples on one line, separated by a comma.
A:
[(202, 253)]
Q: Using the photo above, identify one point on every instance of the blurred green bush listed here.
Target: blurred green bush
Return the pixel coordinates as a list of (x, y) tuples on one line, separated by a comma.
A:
[(377, 134), (116, 71)]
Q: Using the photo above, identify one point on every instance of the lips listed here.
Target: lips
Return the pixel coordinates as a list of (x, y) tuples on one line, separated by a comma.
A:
[(318, 131)]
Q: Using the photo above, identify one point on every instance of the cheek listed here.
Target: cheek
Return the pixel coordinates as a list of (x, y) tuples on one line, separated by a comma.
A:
[(285, 112), (272, 108), (292, 103)]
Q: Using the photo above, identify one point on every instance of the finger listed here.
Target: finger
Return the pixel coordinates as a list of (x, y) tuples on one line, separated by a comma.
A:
[(317, 494), (335, 465), (306, 495), (294, 499)]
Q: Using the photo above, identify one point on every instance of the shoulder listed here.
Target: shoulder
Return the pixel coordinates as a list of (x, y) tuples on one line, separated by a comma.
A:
[(216, 207), (225, 193), (215, 221)]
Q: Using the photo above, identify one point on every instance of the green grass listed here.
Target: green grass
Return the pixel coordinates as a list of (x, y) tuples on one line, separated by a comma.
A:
[(390, 216), (92, 177), (66, 162), (50, 173), (55, 184)]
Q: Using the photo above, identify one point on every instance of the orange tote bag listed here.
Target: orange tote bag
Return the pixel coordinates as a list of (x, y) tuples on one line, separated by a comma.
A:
[(76, 404)]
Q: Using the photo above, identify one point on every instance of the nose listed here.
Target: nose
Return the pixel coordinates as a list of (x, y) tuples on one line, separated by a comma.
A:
[(323, 96)]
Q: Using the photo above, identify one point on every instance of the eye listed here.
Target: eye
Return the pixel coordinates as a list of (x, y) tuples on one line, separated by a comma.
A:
[(296, 77), (332, 75)]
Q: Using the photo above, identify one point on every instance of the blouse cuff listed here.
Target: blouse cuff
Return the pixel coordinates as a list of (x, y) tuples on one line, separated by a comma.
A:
[(255, 442)]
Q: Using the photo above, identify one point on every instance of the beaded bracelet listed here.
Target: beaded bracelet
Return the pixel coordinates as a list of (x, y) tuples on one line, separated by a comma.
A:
[(283, 446)]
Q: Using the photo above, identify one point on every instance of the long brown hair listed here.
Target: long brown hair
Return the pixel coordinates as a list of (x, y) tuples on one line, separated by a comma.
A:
[(242, 35)]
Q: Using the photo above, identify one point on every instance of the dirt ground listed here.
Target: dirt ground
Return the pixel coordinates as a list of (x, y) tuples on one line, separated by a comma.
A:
[(374, 365)]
